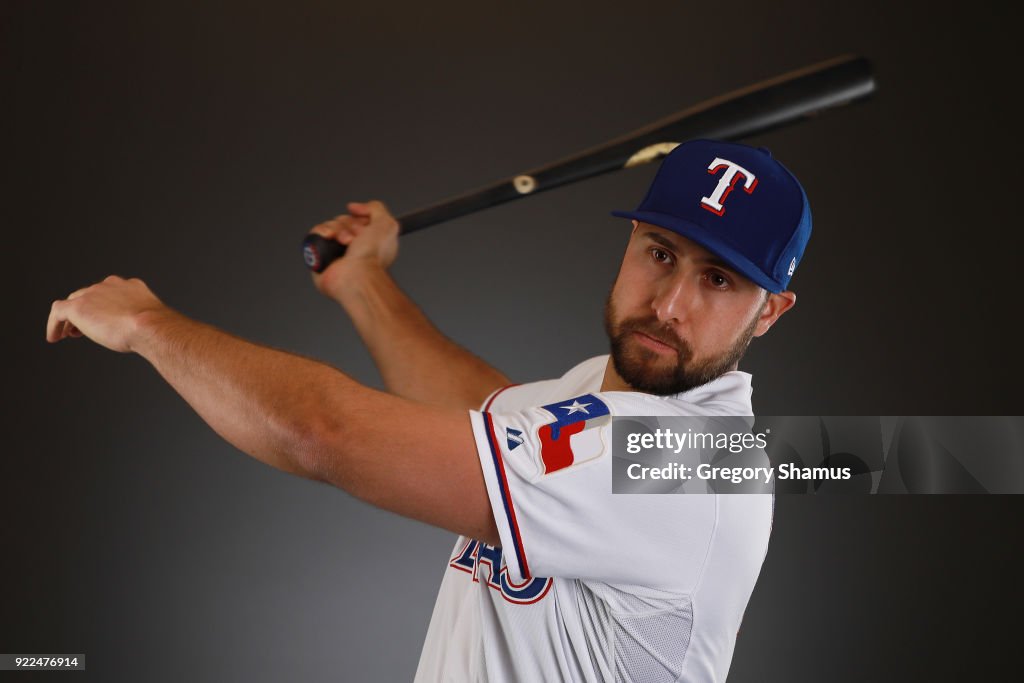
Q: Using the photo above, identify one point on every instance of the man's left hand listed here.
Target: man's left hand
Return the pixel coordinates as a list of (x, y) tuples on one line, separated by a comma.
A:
[(107, 312)]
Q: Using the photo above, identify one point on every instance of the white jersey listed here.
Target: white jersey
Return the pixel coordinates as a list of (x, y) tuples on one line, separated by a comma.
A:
[(587, 585)]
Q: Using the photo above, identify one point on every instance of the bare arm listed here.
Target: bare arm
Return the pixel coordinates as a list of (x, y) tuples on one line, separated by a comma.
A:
[(416, 361), (293, 413)]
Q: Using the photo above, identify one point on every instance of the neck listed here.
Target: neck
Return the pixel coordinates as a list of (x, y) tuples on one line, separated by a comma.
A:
[(612, 381)]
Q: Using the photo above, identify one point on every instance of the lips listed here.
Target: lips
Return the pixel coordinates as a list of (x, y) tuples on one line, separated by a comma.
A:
[(654, 343)]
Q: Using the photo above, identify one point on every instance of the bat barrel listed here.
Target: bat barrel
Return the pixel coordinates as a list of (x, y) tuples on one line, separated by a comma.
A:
[(760, 108), (753, 110), (775, 103)]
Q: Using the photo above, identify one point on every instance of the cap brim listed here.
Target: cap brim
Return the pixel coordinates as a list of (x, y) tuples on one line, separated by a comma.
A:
[(710, 241)]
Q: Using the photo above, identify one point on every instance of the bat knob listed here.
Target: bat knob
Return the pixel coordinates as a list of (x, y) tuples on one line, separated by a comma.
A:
[(319, 252)]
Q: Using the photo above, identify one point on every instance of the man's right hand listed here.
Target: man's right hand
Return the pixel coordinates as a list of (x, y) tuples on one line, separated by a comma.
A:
[(370, 234)]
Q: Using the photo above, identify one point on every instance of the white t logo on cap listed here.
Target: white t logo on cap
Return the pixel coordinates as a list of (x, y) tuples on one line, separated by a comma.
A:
[(726, 183)]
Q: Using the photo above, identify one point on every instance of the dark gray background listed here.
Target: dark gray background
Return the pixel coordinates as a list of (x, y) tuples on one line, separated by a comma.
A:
[(193, 144)]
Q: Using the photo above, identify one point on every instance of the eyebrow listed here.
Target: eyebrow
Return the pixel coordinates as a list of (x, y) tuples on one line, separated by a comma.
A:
[(710, 260)]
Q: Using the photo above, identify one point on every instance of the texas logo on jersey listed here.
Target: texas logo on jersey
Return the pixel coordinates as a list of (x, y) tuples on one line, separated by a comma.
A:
[(575, 434)]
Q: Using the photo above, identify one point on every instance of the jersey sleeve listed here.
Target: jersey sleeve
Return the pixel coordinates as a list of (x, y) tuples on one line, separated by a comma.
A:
[(548, 476)]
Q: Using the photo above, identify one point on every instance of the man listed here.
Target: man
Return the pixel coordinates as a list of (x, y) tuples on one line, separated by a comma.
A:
[(553, 577)]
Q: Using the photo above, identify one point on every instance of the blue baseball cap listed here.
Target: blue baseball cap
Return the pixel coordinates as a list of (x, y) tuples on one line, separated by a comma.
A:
[(735, 201)]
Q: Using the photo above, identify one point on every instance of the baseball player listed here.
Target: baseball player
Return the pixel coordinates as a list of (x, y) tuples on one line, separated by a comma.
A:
[(552, 577)]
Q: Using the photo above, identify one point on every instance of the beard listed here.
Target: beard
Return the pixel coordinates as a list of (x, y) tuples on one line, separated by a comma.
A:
[(646, 370)]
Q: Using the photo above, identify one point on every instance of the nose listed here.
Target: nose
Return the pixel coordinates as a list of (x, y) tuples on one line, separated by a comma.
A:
[(673, 301)]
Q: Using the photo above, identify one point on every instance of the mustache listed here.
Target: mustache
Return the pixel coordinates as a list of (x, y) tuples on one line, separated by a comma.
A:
[(652, 328)]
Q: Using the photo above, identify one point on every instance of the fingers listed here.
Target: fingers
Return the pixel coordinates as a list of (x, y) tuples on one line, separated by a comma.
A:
[(68, 330), (371, 209), (332, 231), (359, 215), (359, 208), (375, 213), (55, 324), (327, 229), (58, 325), (105, 312), (343, 228)]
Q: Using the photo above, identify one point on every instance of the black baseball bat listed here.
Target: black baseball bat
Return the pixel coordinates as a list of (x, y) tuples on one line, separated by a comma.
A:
[(749, 111)]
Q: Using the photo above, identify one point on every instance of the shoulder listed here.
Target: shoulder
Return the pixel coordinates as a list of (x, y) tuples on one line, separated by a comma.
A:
[(583, 378), (728, 394)]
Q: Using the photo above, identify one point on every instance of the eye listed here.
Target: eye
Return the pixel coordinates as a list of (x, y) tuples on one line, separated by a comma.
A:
[(660, 255), (717, 280)]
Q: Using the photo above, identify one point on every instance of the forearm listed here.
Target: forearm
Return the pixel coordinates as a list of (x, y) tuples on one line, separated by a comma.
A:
[(261, 400), (416, 361), (307, 418), (292, 413)]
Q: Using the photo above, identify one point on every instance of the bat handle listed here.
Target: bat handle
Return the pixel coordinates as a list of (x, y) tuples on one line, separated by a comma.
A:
[(319, 252)]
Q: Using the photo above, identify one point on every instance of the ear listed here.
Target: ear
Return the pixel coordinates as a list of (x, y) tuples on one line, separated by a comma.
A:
[(635, 225), (774, 307)]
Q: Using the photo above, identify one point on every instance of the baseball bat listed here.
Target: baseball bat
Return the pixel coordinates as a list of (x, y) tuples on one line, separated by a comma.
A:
[(748, 111)]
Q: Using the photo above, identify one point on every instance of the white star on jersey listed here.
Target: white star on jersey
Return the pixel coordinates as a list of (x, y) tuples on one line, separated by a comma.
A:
[(576, 407)]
